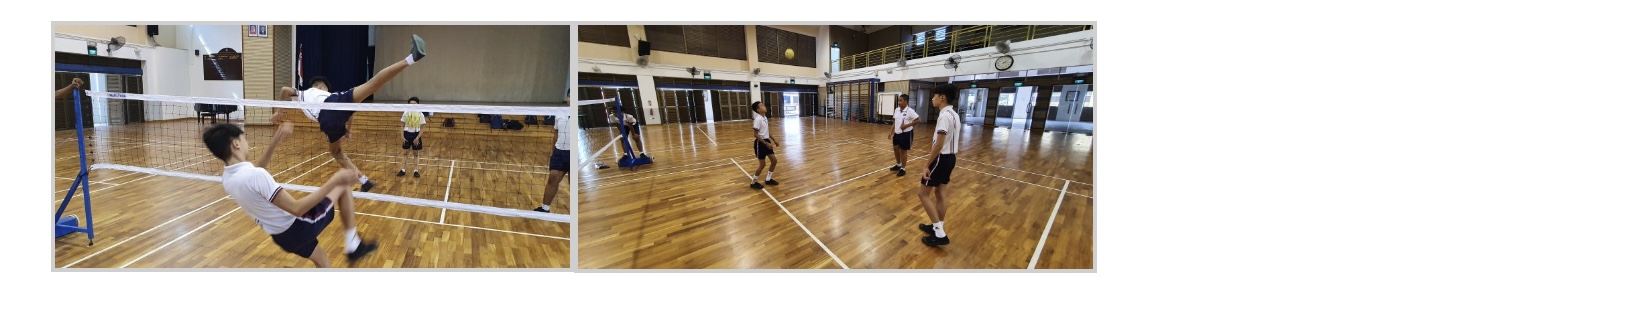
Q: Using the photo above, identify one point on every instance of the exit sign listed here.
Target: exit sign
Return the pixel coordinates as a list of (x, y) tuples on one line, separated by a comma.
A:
[(972, 85), (91, 48), (1018, 83), (708, 75), (1078, 81)]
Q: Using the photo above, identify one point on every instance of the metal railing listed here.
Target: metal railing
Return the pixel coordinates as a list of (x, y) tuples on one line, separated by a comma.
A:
[(968, 38)]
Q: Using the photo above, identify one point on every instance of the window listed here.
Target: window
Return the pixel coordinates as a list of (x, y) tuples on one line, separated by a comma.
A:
[(940, 34), (834, 57)]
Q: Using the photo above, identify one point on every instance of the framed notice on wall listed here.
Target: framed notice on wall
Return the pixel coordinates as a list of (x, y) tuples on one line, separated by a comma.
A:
[(258, 31), (224, 65)]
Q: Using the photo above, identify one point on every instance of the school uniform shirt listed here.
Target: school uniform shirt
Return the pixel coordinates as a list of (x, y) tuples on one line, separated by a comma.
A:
[(254, 189), (948, 123), (902, 116)]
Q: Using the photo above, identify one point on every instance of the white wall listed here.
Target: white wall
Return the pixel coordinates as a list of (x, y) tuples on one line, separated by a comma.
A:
[(209, 39), (167, 73), (1056, 51)]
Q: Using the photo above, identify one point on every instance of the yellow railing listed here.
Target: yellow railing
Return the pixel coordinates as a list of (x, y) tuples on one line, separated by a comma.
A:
[(968, 38)]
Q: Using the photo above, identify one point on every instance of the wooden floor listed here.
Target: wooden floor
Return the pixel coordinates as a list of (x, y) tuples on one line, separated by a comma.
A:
[(149, 221), (838, 205)]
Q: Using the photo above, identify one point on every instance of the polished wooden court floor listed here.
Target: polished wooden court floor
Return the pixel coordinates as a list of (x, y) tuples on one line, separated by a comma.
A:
[(150, 221), (838, 205)]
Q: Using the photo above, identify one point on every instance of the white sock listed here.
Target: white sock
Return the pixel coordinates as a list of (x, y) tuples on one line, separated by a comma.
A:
[(409, 59), (753, 179), (351, 241), (546, 206), (771, 175), (939, 231), (363, 179)]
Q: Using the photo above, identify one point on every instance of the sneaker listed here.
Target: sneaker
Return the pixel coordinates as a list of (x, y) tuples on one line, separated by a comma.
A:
[(541, 209), (367, 186), (418, 48), (927, 228), (415, 173), (362, 251), (933, 241), (771, 182), (756, 186), (901, 173), (895, 167), (401, 173)]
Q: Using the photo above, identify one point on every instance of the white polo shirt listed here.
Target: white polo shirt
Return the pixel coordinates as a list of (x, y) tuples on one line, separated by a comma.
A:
[(562, 123), (254, 189), (948, 123), (761, 124), (313, 95), (904, 115)]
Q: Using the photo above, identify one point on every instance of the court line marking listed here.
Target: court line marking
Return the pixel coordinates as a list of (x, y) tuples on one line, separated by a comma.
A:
[(1025, 182), (708, 135), (1047, 226), (98, 182), (606, 183), (151, 229), (844, 181), (590, 177), (462, 226), (1013, 169), (794, 219), (449, 189), (175, 240)]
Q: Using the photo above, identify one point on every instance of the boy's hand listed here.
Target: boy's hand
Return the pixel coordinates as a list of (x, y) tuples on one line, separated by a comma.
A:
[(285, 130)]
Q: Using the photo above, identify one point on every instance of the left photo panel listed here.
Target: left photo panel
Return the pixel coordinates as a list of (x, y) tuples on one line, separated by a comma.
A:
[(310, 146)]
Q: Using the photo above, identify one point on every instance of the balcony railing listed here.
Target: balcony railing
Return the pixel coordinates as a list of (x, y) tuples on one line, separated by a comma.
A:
[(968, 38)]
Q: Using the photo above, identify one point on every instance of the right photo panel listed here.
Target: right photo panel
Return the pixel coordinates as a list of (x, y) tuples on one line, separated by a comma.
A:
[(721, 146)]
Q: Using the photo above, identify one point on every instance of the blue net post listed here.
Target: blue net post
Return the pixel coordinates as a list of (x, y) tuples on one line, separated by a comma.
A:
[(64, 226)]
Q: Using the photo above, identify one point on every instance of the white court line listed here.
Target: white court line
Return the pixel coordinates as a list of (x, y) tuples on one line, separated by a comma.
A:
[(1047, 225), (462, 226), (794, 218), (455, 162), (117, 244), (844, 181), (606, 181), (1013, 169), (708, 135), (612, 183), (98, 182), (593, 177), (1063, 191), (77, 153), (175, 240), (449, 189)]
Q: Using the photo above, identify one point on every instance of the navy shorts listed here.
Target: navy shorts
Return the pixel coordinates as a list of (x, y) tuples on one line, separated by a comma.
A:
[(333, 122), (559, 160), (904, 140), (763, 149), (408, 141), (300, 237), (940, 170)]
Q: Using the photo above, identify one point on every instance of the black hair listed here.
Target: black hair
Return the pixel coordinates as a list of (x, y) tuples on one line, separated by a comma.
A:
[(754, 105), (414, 99), (320, 80), (218, 139), (947, 90), (906, 97)]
